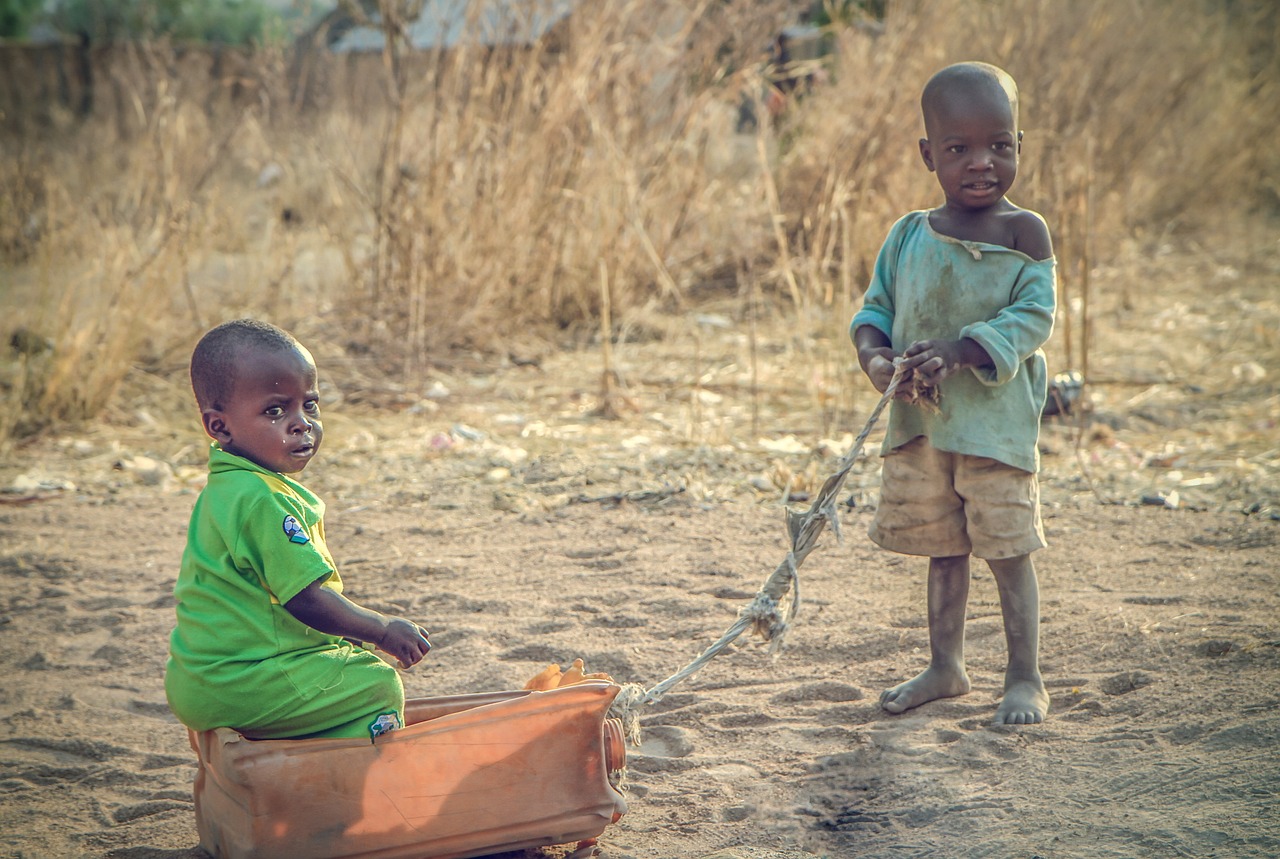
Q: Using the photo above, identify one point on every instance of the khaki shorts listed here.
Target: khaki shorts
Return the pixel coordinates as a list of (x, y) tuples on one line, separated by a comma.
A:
[(942, 504)]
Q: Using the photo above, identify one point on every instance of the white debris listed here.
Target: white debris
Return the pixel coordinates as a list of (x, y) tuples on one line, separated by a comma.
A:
[(25, 484)]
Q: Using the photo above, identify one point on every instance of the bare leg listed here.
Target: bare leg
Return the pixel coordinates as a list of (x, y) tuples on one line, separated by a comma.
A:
[(1025, 700), (945, 677)]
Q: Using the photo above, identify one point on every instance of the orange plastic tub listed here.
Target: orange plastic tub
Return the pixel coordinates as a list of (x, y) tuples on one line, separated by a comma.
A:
[(468, 775)]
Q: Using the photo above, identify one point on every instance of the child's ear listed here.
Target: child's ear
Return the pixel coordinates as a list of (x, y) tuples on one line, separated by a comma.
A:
[(215, 425), (926, 153)]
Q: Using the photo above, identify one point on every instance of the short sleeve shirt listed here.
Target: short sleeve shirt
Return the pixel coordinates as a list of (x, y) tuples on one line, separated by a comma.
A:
[(255, 541)]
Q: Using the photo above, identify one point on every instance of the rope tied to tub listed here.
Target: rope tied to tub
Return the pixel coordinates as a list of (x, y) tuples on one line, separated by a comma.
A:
[(772, 609)]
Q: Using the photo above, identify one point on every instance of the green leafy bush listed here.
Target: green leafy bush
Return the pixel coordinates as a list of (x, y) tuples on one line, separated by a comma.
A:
[(226, 22)]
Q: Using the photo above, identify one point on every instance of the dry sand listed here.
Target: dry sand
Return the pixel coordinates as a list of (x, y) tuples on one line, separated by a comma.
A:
[(1161, 649), (537, 533)]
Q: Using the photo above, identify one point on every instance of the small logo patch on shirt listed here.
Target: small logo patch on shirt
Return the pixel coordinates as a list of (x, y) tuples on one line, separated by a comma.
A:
[(384, 724), (294, 531)]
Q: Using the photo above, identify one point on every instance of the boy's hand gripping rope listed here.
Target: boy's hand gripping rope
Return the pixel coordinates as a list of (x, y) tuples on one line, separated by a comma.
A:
[(764, 613)]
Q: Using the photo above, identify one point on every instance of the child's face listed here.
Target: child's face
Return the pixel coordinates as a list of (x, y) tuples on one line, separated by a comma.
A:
[(273, 415), (973, 147)]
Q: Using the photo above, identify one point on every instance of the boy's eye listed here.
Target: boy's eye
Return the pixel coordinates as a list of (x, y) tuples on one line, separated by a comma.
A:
[(956, 149), (1001, 146), (311, 406), (273, 411)]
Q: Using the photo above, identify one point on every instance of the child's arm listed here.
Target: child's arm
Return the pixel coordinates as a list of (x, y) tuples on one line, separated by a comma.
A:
[(330, 612), (1026, 322), (871, 325)]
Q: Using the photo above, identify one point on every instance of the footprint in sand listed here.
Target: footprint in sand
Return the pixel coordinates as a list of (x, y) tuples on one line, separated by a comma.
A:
[(48, 762), (662, 749), (665, 741), (1126, 682), (827, 691), (67, 749), (139, 810)]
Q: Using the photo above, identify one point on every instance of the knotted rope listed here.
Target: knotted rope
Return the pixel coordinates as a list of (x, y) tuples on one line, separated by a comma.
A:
[(766, 615)]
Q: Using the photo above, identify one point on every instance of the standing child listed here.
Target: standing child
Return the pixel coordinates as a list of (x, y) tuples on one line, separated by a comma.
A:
[(964, 295), (261, 641)]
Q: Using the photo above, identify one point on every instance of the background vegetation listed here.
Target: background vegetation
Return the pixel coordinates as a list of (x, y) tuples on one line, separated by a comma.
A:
[(227, 22), (412, 207)]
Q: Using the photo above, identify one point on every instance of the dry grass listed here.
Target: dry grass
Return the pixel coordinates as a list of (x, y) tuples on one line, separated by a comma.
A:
[(494, 204)]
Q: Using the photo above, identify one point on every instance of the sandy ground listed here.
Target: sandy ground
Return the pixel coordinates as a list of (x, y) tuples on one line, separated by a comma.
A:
[(521, 529), (1160, 644)]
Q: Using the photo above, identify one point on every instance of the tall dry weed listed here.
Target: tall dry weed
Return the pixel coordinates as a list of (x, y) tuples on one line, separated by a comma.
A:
[(118, 214), (514, 177), (1142, 118), (482, 198), (1129, 101)]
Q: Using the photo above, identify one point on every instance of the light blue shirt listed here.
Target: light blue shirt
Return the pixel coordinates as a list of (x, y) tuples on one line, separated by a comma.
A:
[(927, 286)]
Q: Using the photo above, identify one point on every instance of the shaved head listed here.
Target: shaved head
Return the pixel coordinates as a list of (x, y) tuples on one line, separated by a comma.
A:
[(962, 85), (217, 355)]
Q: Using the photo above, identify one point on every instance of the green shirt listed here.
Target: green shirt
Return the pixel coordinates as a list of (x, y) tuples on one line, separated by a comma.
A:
[(927, 286), (256, 539)]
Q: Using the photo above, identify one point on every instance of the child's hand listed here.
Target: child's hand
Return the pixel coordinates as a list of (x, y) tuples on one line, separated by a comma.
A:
[(934, 360), (878, 365), (405, 640)]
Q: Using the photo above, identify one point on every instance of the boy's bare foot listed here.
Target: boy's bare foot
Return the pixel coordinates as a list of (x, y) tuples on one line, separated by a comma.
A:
[(928, 685), (1025, 703)]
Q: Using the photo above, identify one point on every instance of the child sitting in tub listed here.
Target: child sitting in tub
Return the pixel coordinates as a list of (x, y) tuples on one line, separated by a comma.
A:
[(264, 637)]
